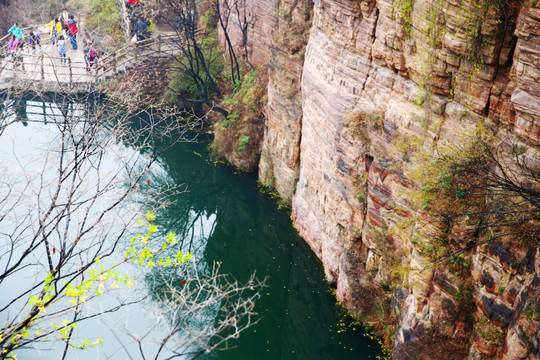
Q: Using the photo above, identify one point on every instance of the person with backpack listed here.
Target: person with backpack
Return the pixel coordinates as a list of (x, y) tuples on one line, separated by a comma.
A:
[(141, 30), (34, 40), (90, 56), (134, 16), (56, 29), (62, 50)]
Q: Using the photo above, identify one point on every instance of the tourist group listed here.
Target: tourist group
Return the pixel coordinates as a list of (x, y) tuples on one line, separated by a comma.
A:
[(61, 29)]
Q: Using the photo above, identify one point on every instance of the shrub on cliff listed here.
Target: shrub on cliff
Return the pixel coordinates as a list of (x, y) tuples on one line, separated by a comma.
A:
[(104, 17), (479, 189), (238, 136)]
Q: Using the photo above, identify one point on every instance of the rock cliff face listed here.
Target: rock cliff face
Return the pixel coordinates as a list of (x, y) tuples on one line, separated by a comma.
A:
[(379, 82), (280, 158)]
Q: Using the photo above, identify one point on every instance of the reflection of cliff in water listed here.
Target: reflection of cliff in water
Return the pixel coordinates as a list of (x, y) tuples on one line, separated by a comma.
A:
[(247, 233), (223, 217)]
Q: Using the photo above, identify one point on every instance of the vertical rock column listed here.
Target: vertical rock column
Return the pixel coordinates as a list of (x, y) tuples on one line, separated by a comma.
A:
[(280, 159), (325, 209)]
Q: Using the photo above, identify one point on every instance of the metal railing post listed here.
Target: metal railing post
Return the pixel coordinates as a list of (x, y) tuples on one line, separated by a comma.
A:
[(42, 69), (70, 71)]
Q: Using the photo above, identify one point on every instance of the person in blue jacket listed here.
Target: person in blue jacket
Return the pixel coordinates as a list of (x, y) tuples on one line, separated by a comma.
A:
[(17, 31)]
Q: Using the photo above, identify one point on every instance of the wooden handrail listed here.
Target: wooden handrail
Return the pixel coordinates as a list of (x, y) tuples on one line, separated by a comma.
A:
[(157, 47), (25, 28), (123, 14), (129, 49)]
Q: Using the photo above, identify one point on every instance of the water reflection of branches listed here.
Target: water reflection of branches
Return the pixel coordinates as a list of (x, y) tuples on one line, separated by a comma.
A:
[(63, 206), (200, 311), (193, 221)]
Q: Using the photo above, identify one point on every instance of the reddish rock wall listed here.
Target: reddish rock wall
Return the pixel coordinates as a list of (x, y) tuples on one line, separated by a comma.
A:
[(261, 20), (423, 81), (280, 159), (374, 74)]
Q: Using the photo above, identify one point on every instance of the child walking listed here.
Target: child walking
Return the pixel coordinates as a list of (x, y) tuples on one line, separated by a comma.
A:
[(62, 50)]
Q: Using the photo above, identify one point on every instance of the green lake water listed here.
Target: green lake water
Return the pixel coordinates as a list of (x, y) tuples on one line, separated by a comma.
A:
[(300, 317), (226, 218)]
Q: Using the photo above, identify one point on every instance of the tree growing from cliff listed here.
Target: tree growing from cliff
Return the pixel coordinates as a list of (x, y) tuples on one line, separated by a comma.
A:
[(69, 229), (197, 73), (233, 12), (487, 188), (196, 70)]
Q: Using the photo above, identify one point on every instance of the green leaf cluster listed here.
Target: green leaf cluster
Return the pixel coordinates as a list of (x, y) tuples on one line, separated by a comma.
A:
[(98, 279), (140, 254)]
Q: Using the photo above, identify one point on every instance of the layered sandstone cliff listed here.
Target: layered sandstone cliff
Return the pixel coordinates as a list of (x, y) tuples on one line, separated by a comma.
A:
[(377, 82)]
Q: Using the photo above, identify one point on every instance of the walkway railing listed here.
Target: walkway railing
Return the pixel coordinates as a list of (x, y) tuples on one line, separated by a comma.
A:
[(37, 64), (157, 48), (43, 67)]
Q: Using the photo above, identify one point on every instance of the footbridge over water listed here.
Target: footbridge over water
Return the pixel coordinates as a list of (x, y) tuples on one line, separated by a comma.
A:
[(42, 70)]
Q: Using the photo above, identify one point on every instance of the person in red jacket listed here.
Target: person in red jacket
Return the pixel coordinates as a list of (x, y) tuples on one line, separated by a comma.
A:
[(72, 31), (131, 3)]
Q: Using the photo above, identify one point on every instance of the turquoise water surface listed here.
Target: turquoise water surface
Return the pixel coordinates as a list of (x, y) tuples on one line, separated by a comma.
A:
[(222, 216)]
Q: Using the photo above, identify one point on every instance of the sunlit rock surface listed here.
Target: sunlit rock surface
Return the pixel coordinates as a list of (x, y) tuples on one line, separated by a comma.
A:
[(411, 70)]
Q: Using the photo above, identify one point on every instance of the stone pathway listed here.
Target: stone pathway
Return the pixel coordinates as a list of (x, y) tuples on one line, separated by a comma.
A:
[(44, 66), (42, 70)]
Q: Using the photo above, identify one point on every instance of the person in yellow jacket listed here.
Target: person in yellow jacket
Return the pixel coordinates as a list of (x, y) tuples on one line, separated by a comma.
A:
[(56, 29), (151, 26)]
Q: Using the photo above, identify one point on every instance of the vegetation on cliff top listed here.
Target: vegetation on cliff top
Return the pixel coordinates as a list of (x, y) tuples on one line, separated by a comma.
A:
[(219, 81), (240, 133)]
